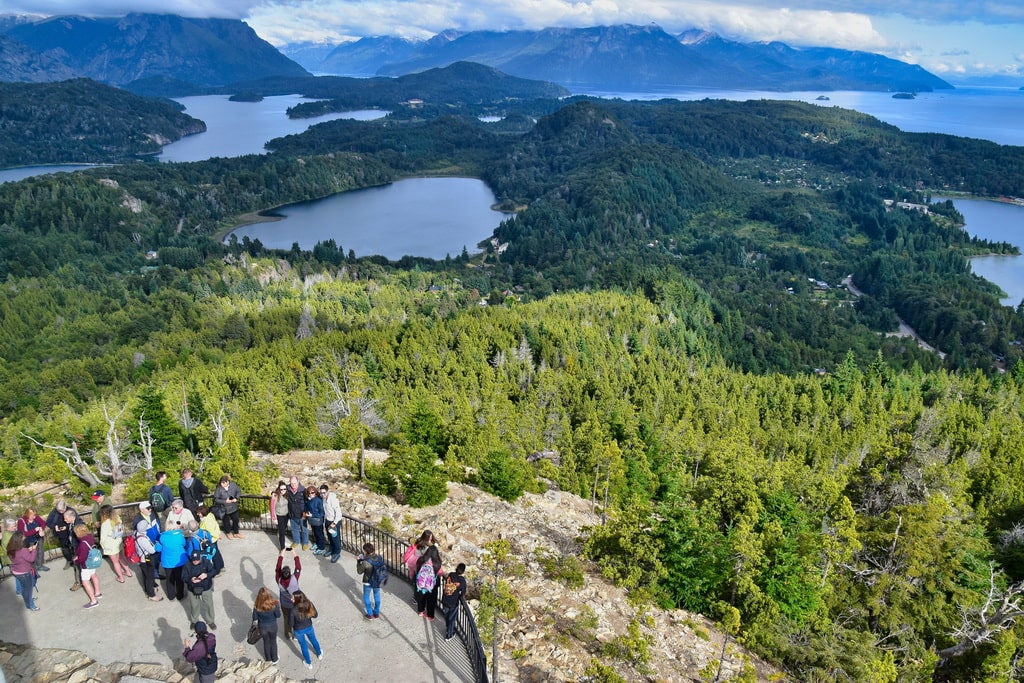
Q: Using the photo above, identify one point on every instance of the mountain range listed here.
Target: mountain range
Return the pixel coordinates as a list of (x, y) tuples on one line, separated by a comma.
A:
[(172, 55), (625, 57)]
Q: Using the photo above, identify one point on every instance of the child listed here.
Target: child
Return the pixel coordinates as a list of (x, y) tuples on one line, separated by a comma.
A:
[(451, 598)]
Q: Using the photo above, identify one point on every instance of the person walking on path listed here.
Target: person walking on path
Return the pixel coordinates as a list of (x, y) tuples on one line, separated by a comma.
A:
[(112, 540), (23, 567), (266, 612), (303, 615), (297, 513), (90, 579), (332, 521), (368, 564), (147, 528), (33, 527), (315, 517), (203, 653), (428, 568), (279, 512), (192, 491), (287, 581), (197, 575), (227, 496), (451, 598)]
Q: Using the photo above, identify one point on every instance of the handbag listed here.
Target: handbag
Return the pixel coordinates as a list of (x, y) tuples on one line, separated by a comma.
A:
[(254, 634)]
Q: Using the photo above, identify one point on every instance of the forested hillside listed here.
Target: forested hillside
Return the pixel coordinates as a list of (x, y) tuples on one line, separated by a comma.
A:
[(656, 338), (81, 121)]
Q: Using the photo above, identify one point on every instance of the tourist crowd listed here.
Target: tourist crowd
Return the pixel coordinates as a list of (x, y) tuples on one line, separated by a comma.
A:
[(174, 541)]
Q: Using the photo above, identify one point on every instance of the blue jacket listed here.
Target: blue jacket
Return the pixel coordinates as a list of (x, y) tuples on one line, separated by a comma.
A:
[(172, 549), (315, 507)]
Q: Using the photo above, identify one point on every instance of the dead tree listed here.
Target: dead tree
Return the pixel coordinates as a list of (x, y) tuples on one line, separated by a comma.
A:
[(73, 459), (979, 625)]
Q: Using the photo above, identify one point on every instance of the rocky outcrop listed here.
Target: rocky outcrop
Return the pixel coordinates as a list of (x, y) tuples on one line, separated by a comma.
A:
[(23, 664), (558, 631)]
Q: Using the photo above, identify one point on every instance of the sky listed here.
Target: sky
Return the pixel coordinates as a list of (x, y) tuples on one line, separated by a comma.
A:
[(951, 38)]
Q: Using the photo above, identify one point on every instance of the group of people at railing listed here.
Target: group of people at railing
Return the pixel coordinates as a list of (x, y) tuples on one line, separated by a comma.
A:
[(176, 539)]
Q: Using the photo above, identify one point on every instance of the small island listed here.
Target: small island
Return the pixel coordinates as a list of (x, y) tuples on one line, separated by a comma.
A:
[(246, 96), (904, 96), (822, 98)]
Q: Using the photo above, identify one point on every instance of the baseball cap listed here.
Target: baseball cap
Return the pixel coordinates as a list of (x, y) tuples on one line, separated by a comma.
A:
[(98, 493), (195, 556), (144, 505)]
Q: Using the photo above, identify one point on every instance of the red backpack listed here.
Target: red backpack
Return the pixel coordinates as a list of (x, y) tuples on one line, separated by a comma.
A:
[(131, 552)]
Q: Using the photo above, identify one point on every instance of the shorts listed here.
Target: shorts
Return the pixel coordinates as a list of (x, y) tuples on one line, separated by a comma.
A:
[(87, 574)]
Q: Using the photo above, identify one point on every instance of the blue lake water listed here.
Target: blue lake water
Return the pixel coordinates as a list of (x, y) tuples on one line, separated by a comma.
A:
[(999, 222), (234, 129), (430, 217), (994, 114)]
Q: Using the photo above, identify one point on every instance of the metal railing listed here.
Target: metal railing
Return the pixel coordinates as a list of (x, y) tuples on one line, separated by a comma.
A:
[(254, 513)]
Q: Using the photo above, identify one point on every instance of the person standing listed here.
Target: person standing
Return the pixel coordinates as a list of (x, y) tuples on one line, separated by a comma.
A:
[(451, 598), (23, 567), (90, 579), (10, 528), (73, 521), (297, 513), (33, 527), (178, 516), (55, 523), (332, 521), (197, 575), (192, 491), (368, 565), (209, 533), (98, 498), (303, 615), (287, 585), (415, 551), (160, 494), (226, 496), (144, 522), (266, 612), (112, 540), (279, 512), (173, 557), (315, 517), (203, 653), (427, 569)]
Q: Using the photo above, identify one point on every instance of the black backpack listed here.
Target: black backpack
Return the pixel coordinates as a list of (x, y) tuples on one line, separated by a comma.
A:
[(156, 500), (379, 577)]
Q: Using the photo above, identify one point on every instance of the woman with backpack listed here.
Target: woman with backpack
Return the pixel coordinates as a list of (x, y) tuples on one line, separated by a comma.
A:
[(415, 551), (112, 540), (86, 557), (303, 615), (428, 568), (203, 653), (266, 612)]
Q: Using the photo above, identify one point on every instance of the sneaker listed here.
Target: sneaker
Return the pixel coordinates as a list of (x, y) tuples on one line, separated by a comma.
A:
[(309, 665), (44, 568), (430, 618), (448, 637), (76, 587), (369, 616), (423, 614), (156, 598), (321, 655), (335, 558), (34, 609), (90, 605), (376, 616), (99, 596), (273, 661), (317, 551), (305, 546), (213, 626)]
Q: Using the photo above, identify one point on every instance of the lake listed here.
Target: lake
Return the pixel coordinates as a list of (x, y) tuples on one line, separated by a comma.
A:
[(987, 113), (430, 217), (234, 129), (999, 222)]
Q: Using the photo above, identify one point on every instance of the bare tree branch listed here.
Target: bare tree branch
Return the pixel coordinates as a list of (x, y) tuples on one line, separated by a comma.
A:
[(980, 625), (73, 459)]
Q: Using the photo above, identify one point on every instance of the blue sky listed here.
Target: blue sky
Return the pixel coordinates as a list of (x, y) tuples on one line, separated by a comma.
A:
[(951, 38)]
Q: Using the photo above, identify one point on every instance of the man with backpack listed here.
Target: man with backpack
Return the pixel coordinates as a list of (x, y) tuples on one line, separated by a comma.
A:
[(160, 495), (375, 574), (203, 653)]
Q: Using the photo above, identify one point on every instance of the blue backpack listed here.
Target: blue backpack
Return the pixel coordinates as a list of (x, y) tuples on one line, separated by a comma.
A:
[(379, 577)]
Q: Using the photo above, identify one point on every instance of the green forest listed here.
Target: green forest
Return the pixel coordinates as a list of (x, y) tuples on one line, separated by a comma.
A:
[(650, 335)]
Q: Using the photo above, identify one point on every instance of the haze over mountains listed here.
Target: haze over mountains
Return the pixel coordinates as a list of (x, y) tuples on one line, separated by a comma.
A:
[(180, 53)]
